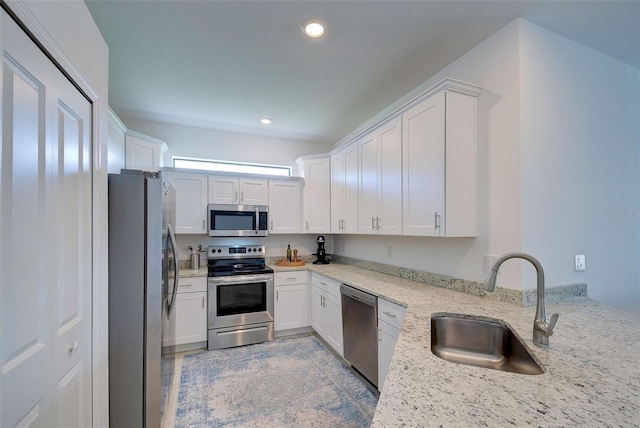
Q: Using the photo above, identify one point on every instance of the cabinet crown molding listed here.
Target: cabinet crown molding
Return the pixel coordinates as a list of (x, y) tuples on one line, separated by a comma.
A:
[(446, 84)]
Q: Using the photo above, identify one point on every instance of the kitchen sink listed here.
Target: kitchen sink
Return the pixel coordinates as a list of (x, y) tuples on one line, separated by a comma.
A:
[(485, 342)]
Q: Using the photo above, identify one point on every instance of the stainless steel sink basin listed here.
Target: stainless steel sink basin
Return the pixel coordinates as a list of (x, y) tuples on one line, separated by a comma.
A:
[(485, 343)]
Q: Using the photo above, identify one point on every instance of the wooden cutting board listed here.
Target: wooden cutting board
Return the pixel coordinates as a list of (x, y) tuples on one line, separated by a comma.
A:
[(288, 263)]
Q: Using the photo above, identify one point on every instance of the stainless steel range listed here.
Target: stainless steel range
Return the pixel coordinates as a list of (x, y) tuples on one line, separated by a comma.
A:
[(240, 296)]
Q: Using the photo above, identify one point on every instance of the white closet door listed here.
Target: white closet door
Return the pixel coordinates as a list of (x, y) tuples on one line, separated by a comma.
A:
[(69, 275), (45, 241)]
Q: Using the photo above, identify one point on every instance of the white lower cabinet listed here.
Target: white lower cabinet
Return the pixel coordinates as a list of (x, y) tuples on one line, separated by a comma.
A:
[(390, 317), (326, 311), (291, 300), (190, 313)]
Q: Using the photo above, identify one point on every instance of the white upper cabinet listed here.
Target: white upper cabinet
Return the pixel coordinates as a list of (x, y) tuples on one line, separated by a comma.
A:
[(285, 206), (116, 143), (380, 180), (191, 202), (317, 194), (234, 190), (439, 166), (344, 190), (143, 152)]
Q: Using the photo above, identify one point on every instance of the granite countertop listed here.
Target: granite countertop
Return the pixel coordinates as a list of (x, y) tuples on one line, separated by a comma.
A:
[(592, 374)]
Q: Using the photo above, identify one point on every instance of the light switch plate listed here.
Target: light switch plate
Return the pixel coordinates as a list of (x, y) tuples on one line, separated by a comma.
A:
[(580, 264)]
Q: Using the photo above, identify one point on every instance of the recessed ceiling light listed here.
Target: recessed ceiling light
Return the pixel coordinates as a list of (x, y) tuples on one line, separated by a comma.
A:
[(266, 121), (313, 28)]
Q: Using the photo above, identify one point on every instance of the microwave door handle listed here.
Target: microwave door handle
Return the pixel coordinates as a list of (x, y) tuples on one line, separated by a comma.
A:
[(257, 220)]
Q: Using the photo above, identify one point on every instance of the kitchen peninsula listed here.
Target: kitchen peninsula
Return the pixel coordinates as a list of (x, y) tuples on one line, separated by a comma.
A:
[(591, 378)]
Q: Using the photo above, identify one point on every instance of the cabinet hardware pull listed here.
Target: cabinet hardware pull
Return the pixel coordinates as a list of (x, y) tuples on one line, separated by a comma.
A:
[(242, 196), (307, 224), (185, 285), (323, 283), (272, 225), (203, 301), (277, 296), (373, 219), (377, 222), (291, 279), (204, 226), (436, 220), (73, 347), (389, 314)]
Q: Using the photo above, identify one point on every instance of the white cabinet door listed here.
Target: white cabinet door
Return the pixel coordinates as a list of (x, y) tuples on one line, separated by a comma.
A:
[(191, 202), (116, 144), (235, 190), (318, 314), (254, 191), (290, 307), (368, 182), (423, 164), (191, 319), (223, 190), (337, 192), (333, 313), (143, 152), (350, 224), (388, 336), (344, 190), (439, 166), (46, 311), (389, 220), (284, 206), (317, 195)]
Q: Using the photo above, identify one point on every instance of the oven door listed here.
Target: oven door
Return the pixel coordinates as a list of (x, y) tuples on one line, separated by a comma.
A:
[(240, 300)]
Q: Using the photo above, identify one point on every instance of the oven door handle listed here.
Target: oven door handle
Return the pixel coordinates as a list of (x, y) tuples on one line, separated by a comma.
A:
[(240, 279)]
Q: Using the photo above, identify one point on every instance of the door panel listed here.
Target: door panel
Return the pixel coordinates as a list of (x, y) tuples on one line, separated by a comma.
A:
[(70, 208), (25, 339), (45, 241)]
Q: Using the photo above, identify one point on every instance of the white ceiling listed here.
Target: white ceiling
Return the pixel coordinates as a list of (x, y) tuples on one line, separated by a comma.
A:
[(225, 64)]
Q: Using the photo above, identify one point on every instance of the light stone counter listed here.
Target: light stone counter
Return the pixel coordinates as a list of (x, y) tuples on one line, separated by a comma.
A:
[(592, 373)]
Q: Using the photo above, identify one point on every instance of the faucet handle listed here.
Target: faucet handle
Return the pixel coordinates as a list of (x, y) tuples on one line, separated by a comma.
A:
[(552, 324)]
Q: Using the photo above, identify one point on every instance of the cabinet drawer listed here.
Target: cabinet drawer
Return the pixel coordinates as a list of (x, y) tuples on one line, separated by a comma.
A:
[(329, 285), (192, 284), (289, 278), (391, 313)]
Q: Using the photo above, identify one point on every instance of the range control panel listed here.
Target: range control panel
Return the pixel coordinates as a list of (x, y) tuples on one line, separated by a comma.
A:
[(235, 251)]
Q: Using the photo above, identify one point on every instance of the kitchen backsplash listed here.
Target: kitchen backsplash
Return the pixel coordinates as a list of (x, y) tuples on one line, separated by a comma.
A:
[(276, 245)]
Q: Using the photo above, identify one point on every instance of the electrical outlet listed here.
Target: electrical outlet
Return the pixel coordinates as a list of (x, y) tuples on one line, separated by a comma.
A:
[(581, 263), (488, 262)]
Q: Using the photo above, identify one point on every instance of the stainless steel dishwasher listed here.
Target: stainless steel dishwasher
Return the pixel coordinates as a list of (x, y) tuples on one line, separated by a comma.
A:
[(360, 331)]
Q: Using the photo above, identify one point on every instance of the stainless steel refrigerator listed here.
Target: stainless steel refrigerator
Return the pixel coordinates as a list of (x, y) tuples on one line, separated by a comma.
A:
[(143, 274)]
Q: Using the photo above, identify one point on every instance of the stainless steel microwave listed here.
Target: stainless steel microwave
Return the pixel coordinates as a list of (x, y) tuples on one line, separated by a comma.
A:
[(237, 220)]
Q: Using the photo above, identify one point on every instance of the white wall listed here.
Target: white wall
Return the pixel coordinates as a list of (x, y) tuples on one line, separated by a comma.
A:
[(205, 143), (580, 165), (493, 64)]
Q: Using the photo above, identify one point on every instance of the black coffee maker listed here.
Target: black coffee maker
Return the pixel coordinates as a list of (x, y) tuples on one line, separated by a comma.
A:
[(321, 253)]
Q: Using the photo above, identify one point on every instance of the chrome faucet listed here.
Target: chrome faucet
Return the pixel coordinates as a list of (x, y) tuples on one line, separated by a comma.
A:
[(541, 328)]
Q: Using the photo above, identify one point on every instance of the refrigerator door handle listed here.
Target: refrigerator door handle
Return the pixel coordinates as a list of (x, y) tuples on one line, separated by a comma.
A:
[(172, 237)]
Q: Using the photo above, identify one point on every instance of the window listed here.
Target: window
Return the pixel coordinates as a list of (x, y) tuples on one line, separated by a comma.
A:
[(225, 166)]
